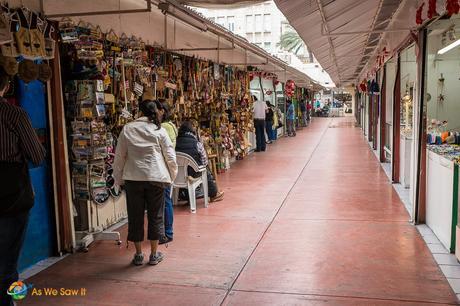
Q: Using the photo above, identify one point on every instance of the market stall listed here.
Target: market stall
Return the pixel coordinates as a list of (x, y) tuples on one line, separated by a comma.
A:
[(443, 129)]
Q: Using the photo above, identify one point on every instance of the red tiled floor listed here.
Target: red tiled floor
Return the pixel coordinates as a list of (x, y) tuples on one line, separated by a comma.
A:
[(313, 221), (275, 299)]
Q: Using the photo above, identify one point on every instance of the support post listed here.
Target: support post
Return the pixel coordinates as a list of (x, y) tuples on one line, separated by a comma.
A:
[(395, 156), (383, 115), (60, 161)]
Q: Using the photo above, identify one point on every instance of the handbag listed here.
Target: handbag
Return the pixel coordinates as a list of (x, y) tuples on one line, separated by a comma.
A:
[(16, 194)]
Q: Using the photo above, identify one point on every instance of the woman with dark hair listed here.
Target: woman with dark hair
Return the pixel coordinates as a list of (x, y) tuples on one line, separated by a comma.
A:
[(269, 117), (145, 162), (171, 129), (188, 143)]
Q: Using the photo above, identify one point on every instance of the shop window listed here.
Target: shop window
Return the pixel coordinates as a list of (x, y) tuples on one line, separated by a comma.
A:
[(268, 46), (231, 23), (221, 21), (259, 23), (258, 38), (267, 23), (249, 23)]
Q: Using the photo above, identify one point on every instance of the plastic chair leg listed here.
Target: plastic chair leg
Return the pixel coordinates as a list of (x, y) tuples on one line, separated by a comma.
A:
[(192, 198), (205, 189), (175, 195)]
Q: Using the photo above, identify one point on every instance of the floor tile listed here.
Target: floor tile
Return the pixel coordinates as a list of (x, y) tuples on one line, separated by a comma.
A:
[(438, 248), (275, 299), (446, 259), (450, 271)]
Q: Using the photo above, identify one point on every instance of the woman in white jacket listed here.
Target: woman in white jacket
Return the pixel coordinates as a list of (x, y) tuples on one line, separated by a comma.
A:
[(145, 162)]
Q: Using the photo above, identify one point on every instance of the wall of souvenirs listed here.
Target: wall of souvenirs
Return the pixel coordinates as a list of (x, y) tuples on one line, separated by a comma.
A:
[(106, 76)]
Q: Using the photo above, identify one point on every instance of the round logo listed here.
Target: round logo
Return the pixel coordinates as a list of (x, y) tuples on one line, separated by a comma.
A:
[(17, 290)]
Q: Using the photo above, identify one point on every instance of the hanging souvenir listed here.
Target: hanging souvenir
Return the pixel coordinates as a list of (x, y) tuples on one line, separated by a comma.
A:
[(44, 72), (23, 37), (28, 71), (50, 43), (37, 38), (5, 27), (9, 64)]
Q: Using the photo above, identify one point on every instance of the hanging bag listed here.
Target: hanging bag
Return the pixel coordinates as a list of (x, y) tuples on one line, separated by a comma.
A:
[(37, 38), (50, 43), (22, 36), (5, 30), (10, 49)]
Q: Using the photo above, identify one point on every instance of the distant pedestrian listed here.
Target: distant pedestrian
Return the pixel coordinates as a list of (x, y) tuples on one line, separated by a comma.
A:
[(303, 110), (290, 119), (260, 110), (19, 145), (145, 162), (309, 108), (269, 118)]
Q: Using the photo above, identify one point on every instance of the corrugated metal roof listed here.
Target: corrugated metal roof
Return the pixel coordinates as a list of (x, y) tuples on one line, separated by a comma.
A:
[(325, 26), (219, 3)]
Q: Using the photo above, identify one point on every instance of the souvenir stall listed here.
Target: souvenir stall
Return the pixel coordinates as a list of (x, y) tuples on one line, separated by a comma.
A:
[(105, 77), (443, 130), (26, 49)]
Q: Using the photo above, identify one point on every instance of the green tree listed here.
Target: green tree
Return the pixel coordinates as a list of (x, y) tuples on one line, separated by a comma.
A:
[(292, 42)]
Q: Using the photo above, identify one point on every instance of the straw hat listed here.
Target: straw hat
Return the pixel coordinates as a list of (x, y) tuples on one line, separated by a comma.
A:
[(44, 72), (28, 71), (9, 64)]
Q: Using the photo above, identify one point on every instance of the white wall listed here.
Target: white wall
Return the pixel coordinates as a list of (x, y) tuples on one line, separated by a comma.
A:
[(449, 65)]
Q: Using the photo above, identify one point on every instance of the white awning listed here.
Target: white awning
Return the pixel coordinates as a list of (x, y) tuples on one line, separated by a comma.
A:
[(346, 35), (183, 31), (219, 3)]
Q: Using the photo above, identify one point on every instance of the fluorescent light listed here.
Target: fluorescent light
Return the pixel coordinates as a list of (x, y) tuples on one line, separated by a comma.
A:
[(449, 47)]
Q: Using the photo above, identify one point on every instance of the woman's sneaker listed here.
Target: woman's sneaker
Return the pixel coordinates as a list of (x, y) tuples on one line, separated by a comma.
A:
[(165, 239), (156, 259), (138, 259)]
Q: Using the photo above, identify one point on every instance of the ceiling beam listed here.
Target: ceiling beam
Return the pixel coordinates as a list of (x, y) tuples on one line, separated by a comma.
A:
[(331, 45)]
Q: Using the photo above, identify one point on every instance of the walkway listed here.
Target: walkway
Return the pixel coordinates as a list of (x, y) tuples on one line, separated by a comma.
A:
[(313, 221)]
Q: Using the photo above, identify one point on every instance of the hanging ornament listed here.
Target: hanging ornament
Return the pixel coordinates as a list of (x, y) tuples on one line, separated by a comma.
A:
[(452, 7), (418, 17), (432, 9)]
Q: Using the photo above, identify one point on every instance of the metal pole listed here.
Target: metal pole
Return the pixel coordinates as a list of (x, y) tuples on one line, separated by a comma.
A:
[(166, 32), (97, 13)]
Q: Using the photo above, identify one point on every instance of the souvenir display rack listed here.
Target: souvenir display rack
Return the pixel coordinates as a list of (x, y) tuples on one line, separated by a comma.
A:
[(91, 145)]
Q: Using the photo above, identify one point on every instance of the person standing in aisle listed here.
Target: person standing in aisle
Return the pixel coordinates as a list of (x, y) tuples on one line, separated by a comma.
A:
[(260, 110), (169, 126), (290, 119), (269, 117), (303, 110), (145, 162), (19, 145), (309, 112)]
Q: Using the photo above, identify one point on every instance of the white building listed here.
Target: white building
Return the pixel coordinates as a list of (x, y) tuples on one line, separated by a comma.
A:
[(263, 24)]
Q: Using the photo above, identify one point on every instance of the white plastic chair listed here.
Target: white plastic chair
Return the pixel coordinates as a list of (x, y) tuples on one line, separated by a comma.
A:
[(183, 180)]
